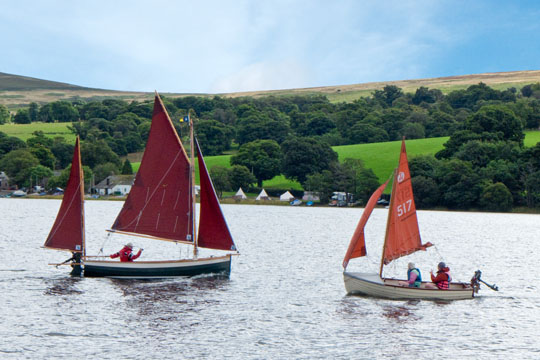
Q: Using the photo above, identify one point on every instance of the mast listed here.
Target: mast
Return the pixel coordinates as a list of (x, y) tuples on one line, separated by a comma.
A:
[(81, 172), (192, 182), (390, 209)]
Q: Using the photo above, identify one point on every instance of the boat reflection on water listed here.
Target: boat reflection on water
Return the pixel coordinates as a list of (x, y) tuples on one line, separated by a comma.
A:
[(167, 289), (63, 286), (400, 313)]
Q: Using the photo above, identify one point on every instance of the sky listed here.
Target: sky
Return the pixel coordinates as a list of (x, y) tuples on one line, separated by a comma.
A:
[(221, 46)]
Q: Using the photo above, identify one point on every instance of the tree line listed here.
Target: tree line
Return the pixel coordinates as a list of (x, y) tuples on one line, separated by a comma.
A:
[(292, 135)]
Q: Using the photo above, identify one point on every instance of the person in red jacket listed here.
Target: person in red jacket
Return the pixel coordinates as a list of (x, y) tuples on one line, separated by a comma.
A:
[(443, 278), (126, 254)]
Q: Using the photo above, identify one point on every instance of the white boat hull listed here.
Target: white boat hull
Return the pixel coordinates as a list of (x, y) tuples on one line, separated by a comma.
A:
[(372, 285), (157, 269)]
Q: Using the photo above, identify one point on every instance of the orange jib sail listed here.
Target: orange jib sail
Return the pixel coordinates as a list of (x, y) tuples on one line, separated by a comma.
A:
[(403, 234), (213, 230), (357, 246), (67, 232), (159, 203)]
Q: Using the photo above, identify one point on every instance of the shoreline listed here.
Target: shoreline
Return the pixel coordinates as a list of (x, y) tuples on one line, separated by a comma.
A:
[(231, 201)]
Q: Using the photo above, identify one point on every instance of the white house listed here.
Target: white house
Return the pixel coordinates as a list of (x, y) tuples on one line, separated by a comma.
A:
[(115, 185)]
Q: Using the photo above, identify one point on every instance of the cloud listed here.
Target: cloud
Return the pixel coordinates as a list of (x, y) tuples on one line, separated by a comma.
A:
[(217, 46)]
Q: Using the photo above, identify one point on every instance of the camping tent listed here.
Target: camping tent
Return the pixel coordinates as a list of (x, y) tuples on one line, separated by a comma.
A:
[(286, 196), (240, 195), (263, 195)]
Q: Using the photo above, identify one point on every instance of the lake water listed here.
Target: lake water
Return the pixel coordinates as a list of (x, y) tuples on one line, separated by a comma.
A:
[(285, 298)]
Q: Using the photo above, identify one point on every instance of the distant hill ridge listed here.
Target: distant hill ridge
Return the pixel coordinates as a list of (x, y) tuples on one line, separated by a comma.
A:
[(9, 82), (18, 91)]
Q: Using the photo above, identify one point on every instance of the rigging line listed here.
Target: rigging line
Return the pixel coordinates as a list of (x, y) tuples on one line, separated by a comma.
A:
[(154, 191), (103, 244), (53, 233)]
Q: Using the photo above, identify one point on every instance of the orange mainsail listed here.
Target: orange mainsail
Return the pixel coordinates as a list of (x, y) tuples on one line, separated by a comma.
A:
[(357, 246), (67, 232), (403, 234)]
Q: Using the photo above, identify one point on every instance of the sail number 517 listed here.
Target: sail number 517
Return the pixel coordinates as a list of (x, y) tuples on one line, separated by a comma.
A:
[(404, 208)]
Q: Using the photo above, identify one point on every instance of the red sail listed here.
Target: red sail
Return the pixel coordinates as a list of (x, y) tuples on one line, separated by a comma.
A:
[(159, 202), (403, 234), (357, 246), (213, 230), (67, 232)]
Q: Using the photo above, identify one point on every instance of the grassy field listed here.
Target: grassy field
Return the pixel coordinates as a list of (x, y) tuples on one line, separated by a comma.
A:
[(24, 131), (382, 158)]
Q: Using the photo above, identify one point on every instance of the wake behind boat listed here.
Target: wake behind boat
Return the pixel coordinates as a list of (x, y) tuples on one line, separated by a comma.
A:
[(402, 238), (160, 206)]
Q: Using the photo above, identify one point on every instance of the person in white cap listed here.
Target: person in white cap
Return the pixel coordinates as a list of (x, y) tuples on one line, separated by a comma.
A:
[(126, 254)]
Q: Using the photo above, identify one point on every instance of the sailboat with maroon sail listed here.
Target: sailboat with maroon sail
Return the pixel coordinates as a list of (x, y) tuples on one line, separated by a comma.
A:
[(160, 206), (402, 238)]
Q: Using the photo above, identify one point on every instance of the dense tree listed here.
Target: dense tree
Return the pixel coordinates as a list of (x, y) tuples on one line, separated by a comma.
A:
[(221, 179), (241, 177), (33, 111), (63, 111), (126, 168), (5, 116), (214, 137), (426, 192), (62, 151), (9, 143), (38, 175), (387, 95), (496, 197), (460, 185), (44, 155), (61, 180), (262, 157), (22, 117), (98, 152), (255, 125), (304, 156), (496, 120), (423, 94), (17, 165), (323, 183)]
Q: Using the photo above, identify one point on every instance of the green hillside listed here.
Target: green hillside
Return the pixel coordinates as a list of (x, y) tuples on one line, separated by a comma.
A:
[(382, 157)]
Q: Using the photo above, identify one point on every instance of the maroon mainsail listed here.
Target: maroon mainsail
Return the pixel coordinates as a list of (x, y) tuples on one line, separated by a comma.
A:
[(213, 230), (67, 232), (159, 202)]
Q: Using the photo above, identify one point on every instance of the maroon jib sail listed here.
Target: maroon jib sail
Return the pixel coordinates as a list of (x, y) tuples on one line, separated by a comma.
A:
[(213, 230), (67, 232), (159, 203)]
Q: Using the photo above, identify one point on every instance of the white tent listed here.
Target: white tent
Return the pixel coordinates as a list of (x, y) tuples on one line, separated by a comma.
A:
[(286, 196), (263, 195), (240, 195)]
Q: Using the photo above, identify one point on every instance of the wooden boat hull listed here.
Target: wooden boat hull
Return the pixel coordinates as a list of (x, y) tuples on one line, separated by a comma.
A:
[(157, 269), (372, 285)]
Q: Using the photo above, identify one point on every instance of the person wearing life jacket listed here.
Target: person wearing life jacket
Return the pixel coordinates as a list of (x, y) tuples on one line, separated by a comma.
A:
[(414, 277), (126, 254), (443, 278)]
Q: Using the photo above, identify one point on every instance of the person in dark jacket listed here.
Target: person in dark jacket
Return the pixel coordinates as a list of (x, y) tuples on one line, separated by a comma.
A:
[(443, 278), (126, 254)]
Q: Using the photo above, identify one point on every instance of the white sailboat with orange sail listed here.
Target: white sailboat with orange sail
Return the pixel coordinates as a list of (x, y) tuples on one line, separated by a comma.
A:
[(402, 238), (160, 206)]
